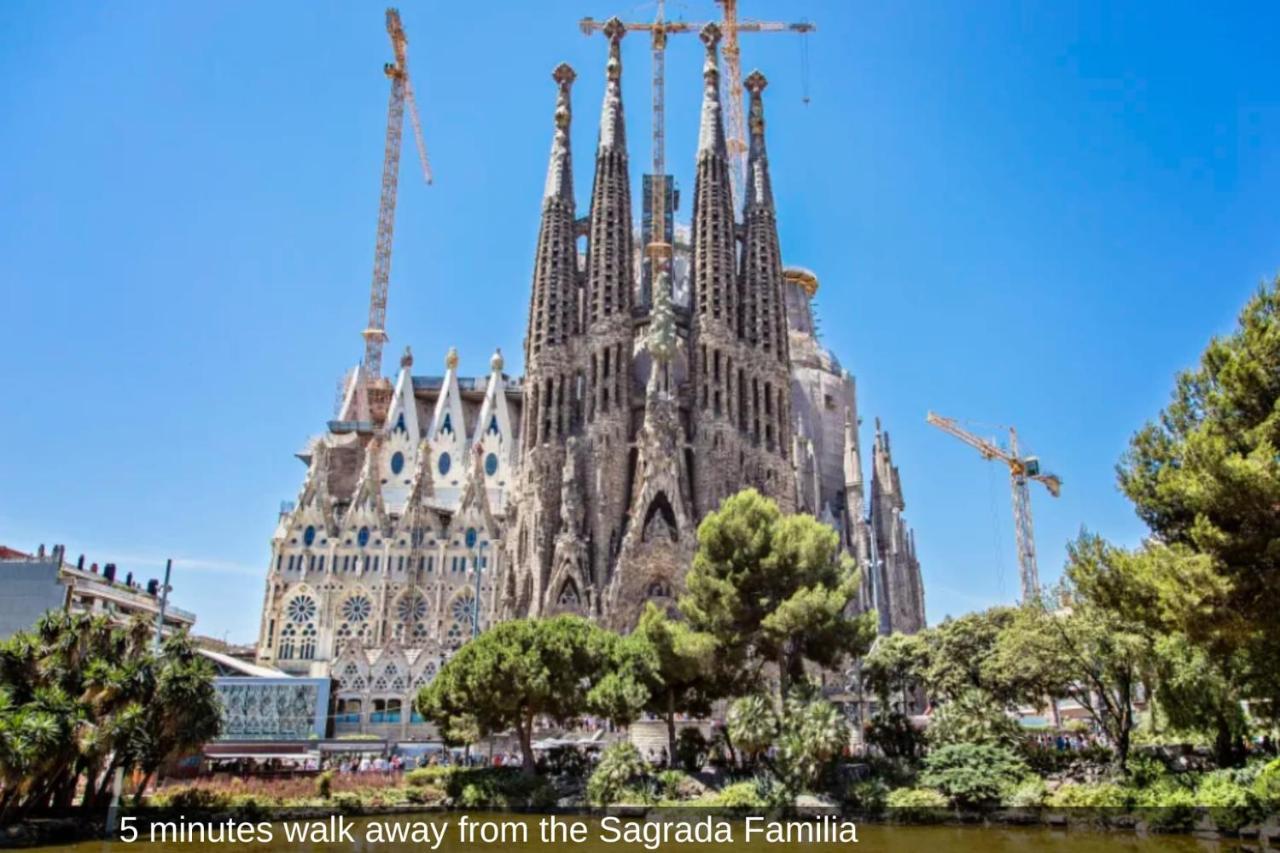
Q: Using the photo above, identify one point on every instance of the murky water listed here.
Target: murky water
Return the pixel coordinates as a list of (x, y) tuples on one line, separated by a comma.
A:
[(509, 833)]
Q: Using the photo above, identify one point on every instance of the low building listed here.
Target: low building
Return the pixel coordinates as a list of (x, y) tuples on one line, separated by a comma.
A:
[(37, 583)]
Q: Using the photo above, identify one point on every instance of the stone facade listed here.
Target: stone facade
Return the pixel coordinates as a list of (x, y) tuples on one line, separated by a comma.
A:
[(434, 506)]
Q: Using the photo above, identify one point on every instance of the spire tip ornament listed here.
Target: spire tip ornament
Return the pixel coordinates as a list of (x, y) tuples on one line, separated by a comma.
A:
[(451, 359)]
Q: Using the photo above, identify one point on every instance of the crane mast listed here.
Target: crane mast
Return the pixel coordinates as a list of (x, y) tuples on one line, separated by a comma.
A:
[(658, 250), (375, 333), (1022, 470)]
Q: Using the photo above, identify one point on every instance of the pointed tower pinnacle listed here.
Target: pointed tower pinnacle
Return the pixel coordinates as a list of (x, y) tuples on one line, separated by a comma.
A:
[(714, 278), (552, 305), (711, 130), (559, 171), (609, 273), (759, 190)]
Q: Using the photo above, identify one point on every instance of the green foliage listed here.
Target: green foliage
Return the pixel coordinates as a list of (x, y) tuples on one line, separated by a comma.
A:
[(963, 658), (1099, 795), (1092, 651), (973, 716), (916, 805), (679, 677), (811, 735), (772, 587), (1030, 793), (619, 766), (1167, 806), (348, 802), (741, 797), (567, 761), (973, 774), (324, 785), (519, 670), (894, 667), (1230, 804), (1146, 770), (498, 788), (691, 749), (1205, 476), (421, 777), (752, 725), (894, 735), (80, 696), (1266, 787), (867, 796)]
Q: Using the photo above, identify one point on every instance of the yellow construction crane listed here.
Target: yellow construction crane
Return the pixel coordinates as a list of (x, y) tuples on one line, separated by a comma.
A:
[(659, 28), (1021, 469), (375, 335)]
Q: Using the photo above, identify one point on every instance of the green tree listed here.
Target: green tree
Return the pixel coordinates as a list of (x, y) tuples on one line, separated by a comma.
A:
[(973, 717), (752, 726), (973, 774), (895, 667), (683, 664), (772, 589), (811, 735), (1092, 653), (81, 696), (1205, 476), (520, 670), (963, 657)]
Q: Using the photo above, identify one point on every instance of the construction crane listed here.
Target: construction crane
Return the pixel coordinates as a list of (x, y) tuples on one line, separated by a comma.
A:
[(375, 335), (659, 28), (1021, 470)]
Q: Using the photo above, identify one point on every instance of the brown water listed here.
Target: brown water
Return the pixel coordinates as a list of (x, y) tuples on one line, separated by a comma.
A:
[(523, 836)]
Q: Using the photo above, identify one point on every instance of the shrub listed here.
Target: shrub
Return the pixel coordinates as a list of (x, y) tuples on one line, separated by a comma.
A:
[(497, 787), (618, 765), (324, 785), (193, 798), (424, 795), (1266, 787), (811, 735), (691, 749), (916, 805), (867, 796), (1230, 804), (678, 785), (741, 796), (972, 774), (1100, 795), (424, 776), (1145, 769), (348, 802), (1030, 793), (1168, 806), (250, 807)]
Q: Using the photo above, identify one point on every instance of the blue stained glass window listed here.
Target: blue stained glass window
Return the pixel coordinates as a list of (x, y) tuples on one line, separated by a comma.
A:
[(447, 424), (444, 463), (493, 424), (309, 536), (397, 462), (400, 422), (471, 537), (491, 464), (363, 536)]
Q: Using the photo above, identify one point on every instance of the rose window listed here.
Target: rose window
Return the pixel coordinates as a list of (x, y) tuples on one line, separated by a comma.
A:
[(356, 609), (412, 609), (463, 608), (301, 609)]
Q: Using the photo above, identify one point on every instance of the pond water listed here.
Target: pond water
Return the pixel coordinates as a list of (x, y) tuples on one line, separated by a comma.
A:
[(521, 834)]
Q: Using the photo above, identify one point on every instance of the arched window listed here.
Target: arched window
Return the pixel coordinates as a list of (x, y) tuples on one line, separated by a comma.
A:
[(307, 645), (288, 640)]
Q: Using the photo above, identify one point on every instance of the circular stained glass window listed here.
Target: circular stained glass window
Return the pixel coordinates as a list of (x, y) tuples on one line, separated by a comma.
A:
[(397, 462), (462, 608), (470, 537), (309, 536), (412, 609), (363, 537), (444, 463), (356, 609), (491, 464), (301, 609)]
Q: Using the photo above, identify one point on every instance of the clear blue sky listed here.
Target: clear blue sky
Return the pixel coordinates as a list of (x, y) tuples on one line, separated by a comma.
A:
[(1022, 213)]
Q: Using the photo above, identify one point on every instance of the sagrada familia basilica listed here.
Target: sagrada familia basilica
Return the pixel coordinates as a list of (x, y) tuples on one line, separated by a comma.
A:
[(434, 506)]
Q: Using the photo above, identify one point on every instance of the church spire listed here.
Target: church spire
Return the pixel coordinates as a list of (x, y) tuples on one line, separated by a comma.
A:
[(764, 318), (713, 225), (552, 309), (609, 273)]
